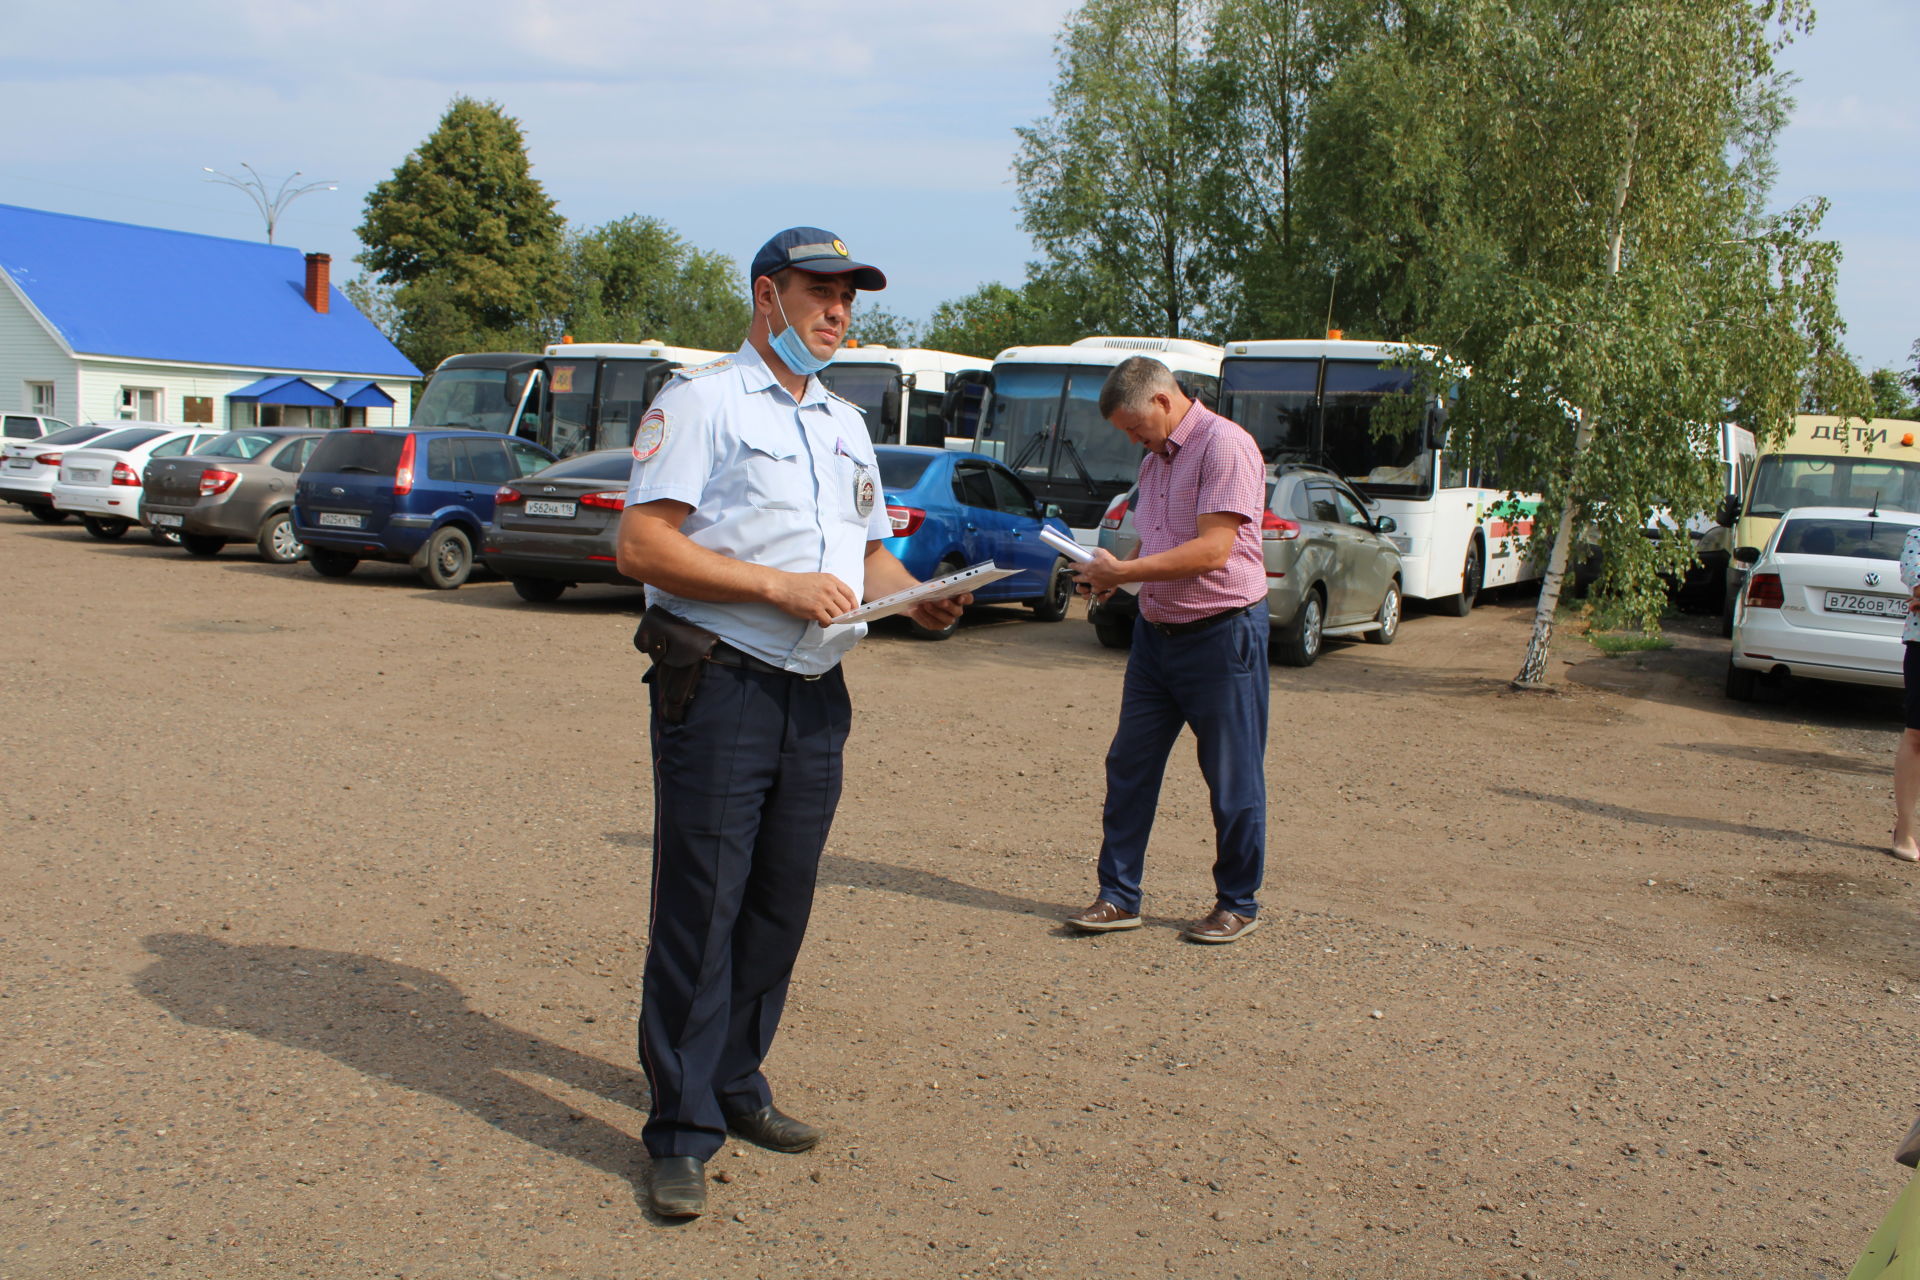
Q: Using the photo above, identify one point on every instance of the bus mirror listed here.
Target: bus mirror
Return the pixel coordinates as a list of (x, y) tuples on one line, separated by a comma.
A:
[(890, 407), (1385, 524), (1746, 555), (1729, 511), (953, 405)]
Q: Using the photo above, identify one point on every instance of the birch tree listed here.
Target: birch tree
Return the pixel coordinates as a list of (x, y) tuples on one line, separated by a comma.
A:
[(1569, 197), (1111, 181)]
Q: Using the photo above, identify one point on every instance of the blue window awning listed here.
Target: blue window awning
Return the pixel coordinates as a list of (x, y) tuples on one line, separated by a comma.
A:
[(360, 393), (284, 390)]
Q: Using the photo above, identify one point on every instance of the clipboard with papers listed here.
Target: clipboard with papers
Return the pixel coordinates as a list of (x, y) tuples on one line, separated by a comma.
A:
[(951, 585)]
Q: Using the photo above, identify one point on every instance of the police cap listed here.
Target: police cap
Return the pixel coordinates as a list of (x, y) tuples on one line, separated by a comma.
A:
[(821, 252)]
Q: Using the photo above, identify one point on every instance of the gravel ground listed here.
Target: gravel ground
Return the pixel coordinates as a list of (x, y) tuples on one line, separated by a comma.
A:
[(325, 909)]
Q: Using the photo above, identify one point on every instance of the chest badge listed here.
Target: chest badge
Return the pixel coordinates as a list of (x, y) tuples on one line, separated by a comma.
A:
[(863, 491)]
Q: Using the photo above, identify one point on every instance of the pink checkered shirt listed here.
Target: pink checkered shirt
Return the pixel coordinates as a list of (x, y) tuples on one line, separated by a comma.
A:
[(1211, 465)]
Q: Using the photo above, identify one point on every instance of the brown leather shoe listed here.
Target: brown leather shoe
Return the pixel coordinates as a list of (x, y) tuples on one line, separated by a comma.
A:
[(1222, 926), (1103, 917)]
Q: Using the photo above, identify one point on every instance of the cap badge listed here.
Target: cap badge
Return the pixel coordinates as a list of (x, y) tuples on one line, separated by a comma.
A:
[(839, 247)]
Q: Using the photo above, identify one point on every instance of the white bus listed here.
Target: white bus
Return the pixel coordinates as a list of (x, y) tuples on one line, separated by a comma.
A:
[(903, 390), (1312, 400), (580, 396), (1043, 419)]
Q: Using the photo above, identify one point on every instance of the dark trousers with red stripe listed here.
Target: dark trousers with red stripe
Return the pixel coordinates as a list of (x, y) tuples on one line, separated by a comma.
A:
[(1214, 682), (744, 791)]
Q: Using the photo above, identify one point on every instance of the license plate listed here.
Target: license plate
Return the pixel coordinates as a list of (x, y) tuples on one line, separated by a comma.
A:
[(84, 473), (19, 464), (165, 521), (1869, 606), (537, 507), (339, 520)]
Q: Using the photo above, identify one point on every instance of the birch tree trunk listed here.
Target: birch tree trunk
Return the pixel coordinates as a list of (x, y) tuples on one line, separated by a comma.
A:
[(1533, 669)]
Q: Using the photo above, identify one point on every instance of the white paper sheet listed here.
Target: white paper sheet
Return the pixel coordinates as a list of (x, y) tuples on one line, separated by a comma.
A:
[(953, 584)]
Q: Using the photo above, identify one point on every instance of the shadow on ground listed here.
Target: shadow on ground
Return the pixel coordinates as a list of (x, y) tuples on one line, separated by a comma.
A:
[(399, 1023)]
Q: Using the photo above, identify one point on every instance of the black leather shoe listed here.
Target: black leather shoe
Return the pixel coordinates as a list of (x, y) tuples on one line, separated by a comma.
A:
[(770, 1128), (679, 1186)]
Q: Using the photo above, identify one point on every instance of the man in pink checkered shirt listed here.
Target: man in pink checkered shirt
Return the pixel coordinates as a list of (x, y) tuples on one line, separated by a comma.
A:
[(1199, 656)]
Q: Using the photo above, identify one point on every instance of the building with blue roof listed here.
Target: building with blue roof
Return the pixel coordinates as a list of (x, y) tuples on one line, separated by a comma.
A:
[(102, 320)]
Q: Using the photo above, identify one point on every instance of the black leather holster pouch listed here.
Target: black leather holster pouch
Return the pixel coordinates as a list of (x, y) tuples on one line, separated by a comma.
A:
[(679, 651)]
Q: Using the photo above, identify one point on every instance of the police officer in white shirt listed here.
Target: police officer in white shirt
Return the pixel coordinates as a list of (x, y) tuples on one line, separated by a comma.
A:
[(755, 517)]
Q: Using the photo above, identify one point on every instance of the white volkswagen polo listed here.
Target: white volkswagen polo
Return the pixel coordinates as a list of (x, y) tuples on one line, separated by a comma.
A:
[(1824, 600), (100, 482)]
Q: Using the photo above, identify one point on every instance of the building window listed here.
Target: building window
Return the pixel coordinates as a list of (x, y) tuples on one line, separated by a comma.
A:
[(196, 409), (40, 398), (144, 403)]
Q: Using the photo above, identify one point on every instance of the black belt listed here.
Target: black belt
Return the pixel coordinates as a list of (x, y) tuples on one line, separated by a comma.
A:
[(1198, 624), (728, 656)]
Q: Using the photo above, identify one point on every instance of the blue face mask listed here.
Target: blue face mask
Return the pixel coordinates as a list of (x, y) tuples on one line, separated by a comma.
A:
[(787, 345)]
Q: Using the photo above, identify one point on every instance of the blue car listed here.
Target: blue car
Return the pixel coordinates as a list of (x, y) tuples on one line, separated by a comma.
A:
[(415, 497), (950, 510)]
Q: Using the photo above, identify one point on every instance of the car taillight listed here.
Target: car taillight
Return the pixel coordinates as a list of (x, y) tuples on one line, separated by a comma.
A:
[(124, 474), (213, 481), (905, 519), (403, 474), (1764, 592), (506, 493), (1115, 513), (48, 459), (607, 499), (1275, 529)]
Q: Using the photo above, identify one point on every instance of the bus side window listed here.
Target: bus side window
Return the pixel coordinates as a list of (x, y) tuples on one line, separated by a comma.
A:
[(1454, 472)]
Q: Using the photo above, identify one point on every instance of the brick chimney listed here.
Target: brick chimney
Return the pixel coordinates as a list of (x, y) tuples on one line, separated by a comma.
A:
[(318, 267)]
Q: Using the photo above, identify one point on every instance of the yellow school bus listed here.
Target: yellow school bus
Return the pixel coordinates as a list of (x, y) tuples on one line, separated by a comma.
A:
[(1825, 462)]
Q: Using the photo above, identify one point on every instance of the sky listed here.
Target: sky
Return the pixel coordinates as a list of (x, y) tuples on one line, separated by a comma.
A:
[(892, 126)]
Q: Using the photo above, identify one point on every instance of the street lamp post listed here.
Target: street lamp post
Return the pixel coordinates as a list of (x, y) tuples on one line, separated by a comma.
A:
[(270, 206)]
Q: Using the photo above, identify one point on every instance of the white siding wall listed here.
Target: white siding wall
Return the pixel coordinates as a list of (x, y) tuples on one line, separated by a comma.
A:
[(103, 380), (28, 354)]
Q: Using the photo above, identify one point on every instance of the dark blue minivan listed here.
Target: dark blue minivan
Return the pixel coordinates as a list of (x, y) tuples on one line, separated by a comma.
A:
[(414, 497)]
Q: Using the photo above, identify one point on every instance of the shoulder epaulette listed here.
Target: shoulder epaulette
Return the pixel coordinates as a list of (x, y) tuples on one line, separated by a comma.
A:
[(835, 395), (702, 370)]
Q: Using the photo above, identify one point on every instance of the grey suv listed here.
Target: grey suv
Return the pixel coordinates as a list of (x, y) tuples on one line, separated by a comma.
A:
[(1331, 569)]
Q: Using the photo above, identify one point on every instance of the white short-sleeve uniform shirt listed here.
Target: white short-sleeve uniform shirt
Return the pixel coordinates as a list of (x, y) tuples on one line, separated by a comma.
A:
[(793, 486)]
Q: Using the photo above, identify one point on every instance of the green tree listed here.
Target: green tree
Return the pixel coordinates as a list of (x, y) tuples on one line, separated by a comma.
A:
[(1111, 182), (1889, 391), (465, 235), (1047, 309), (636, 280), (876, 326), (1567, 196)]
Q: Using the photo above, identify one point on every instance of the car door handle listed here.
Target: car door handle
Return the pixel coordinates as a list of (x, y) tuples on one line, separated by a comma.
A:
[(972, 528)]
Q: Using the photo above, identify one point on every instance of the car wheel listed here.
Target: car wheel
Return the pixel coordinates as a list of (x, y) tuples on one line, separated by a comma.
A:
[(277, 542), (106, 528), (1114, 635), (1388, 617), (1461, 605), (1742, 683), (331, 564), (164, 537), (1298, 645), (447, 559), (538, 590), (937, 633), (202, 544), (46, 514), (1052, 607)]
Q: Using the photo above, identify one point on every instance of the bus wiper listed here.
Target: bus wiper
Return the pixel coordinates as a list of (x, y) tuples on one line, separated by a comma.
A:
[(1073, 455), (1027, 451)]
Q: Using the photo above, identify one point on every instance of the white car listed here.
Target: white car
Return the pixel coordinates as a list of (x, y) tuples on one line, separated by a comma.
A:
[(100, 481), (28, 468), (1824, 600)]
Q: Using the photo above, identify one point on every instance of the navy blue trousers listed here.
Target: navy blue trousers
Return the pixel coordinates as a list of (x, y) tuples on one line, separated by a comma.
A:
[(1214, 682), (744, 791)]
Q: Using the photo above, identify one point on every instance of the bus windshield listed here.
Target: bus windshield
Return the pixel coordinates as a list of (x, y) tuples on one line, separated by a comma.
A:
[(1304, 409), (472, 398), (1784, 481), (1044, 422)]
